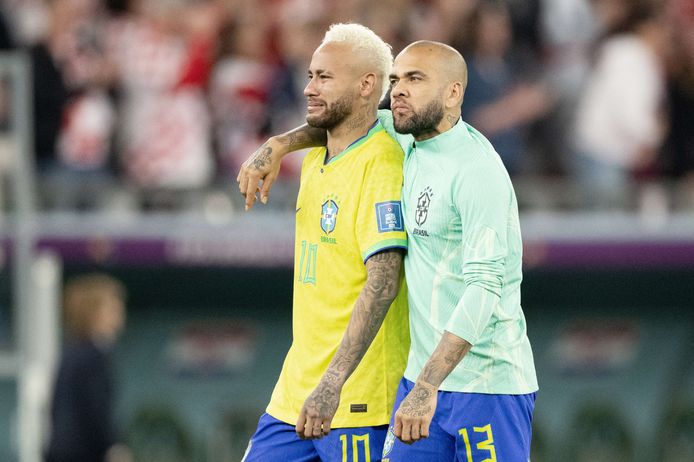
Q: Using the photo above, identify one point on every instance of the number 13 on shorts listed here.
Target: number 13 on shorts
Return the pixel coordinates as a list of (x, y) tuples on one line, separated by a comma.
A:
[(485, 445)]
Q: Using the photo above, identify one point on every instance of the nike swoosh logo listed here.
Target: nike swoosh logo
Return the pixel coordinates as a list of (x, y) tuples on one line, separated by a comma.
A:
[(297, 210)]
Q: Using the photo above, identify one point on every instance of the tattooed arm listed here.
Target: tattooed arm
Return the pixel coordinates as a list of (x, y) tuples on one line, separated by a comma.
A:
[(414, 415), (264, 163), (382, 285)]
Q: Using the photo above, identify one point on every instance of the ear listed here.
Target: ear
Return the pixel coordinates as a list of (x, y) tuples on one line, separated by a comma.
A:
[(454, 95), (367, 85)]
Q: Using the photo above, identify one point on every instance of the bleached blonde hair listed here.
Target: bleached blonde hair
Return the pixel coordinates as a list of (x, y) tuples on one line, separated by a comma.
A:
[(364, 39)]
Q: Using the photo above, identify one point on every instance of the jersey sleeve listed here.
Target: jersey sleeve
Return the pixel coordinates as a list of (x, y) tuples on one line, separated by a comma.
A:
[(380, 222), (483, 200)]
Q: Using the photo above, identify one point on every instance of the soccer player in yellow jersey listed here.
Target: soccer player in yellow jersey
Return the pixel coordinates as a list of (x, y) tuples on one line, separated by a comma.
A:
[(350, 331)]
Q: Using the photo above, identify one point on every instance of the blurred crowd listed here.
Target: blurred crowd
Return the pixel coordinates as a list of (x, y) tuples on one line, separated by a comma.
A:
[(155, 103)]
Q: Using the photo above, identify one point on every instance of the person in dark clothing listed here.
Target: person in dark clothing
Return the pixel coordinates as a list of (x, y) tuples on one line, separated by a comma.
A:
[(81, 410), (50, 97), (678, 155), (6, 40)]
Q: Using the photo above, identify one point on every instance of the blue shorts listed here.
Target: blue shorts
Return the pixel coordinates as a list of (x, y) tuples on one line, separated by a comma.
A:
[(468, 427), (275, 440)]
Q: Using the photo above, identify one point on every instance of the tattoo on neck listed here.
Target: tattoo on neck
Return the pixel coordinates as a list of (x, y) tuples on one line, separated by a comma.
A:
[(451, 119), (360, 119), (356, 122)]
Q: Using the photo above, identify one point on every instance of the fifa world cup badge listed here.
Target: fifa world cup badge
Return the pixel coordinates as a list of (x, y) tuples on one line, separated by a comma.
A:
[(389, 216)]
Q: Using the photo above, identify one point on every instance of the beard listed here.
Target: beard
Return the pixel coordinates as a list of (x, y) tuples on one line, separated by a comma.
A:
[(420, 122), (334, 113)]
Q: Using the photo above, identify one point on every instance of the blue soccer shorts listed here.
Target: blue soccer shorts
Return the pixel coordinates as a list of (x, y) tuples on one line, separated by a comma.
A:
[(468, 427), (277, 441)]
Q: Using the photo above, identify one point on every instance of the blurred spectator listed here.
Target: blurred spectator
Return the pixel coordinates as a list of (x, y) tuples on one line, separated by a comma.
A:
[(7, 43), (568, 31), (345, 10), (50, 91), (6, 40), (301, 27), (302, 24), (162, 96), (28, 20), (163, 54), (81, 411), (499, 100), (74, 116), (440, 20), (679, 158), (620, 121), (525, 18), (389, 20), (87, 122), (239, 92)]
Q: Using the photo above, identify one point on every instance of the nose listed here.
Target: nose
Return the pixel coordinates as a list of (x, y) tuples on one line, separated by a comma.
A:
[(397, 89), (310, 89)]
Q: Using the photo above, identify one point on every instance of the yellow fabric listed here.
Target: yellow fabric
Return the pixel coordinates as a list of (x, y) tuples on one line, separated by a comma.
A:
[(329, 273)]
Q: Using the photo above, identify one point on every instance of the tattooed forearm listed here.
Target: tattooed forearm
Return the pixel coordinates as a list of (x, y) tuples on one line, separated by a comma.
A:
[(303, 137), (381, 287), (279, 146), (444, 359)]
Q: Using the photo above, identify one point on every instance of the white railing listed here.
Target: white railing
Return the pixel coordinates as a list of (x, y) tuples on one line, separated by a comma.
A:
[(36, 280)]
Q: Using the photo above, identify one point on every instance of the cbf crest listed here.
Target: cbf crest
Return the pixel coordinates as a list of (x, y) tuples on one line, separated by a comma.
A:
[(390, 441), (328, 217), (423, 203)]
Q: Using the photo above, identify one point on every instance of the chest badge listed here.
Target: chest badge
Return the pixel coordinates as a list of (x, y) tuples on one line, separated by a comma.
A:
[(423, 203), (328, 218)]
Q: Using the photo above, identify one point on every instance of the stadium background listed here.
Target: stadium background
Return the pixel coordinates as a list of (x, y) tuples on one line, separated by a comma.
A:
[(122, 125)]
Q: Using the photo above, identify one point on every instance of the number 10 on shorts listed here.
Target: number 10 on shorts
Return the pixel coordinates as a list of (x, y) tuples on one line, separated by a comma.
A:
[(356, 439), (486, 445)]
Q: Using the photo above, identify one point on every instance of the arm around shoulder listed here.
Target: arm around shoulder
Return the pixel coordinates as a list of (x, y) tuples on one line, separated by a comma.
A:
[(260, 170)]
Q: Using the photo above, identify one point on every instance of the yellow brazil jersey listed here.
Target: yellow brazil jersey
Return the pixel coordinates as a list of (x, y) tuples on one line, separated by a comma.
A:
[(347, 210)]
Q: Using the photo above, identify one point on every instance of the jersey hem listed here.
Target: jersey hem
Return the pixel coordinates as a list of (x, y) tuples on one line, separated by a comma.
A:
[(484, 391), (286, 417)]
